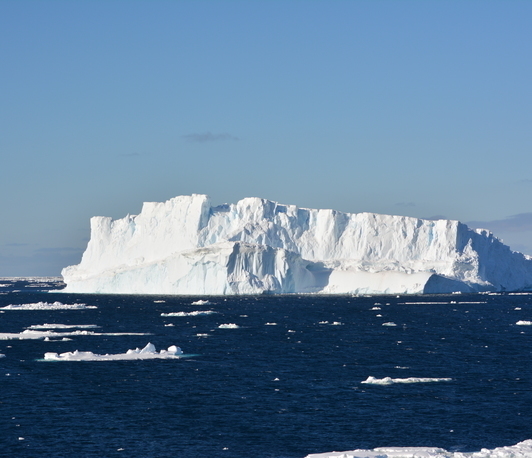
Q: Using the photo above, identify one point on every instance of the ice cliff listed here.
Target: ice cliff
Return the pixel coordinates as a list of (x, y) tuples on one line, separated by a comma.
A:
[(187, 246)]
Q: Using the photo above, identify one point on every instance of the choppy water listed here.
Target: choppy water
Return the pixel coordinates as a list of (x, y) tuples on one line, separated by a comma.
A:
[(285, 383)]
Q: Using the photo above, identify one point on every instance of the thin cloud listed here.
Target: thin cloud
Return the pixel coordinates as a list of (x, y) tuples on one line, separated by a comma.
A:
[(516, 223), (405, 204), (209, 137)]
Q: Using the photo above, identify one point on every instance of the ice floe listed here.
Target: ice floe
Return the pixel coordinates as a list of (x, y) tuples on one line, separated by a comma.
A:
[(31, 334), (390, 381), (228, 326), (389, 323), (202, 302), (524, 323), (520, 450), (48, 306), (195, 313), (62, 326), (148, 352)]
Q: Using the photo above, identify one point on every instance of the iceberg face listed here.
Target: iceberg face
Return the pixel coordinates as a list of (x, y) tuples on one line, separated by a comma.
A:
[(256, 246)]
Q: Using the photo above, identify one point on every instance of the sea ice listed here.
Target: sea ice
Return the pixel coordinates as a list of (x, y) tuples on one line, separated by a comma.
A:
[(228, 326), (524, 323), (202, 302), (47, 306), (389, 323), (62, 326), (148, 352), (30, 334), (195, 313), (520, 450), (390, 381)]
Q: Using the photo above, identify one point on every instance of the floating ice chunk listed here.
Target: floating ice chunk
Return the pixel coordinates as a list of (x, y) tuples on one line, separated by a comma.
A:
[(375, 308), (270, 324), (148, 352), (524, 323), (202, 335), (158, 302), (2, 355), (389, 323), (48, 306), (195, 313), (520, 450), (228, 326), (202, 302), (30, 334), (390, 381), (62, 326)]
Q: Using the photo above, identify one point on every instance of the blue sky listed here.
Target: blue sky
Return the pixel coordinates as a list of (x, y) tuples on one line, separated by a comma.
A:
[(418, 108)]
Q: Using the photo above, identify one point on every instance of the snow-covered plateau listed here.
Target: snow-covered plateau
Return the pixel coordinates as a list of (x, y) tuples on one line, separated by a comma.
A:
[(187, 246)]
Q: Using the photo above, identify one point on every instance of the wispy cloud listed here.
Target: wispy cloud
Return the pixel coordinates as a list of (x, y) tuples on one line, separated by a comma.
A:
[(209, 137), (516, 223), (405, 204)]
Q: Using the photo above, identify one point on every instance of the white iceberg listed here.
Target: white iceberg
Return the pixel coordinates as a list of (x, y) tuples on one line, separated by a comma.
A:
[(228, 326), (520, 450), (390, 381), (187, 246), (148, 352), (47, 306), (524, 323)]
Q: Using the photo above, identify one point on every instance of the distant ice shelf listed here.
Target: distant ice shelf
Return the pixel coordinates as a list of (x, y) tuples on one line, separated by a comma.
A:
[(186, 246)]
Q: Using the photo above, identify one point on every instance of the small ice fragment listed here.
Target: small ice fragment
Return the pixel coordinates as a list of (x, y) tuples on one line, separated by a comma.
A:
[(389, 323), (228, 326)]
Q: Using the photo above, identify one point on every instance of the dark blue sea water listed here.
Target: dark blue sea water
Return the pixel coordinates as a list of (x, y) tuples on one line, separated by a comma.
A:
[(268, 390)]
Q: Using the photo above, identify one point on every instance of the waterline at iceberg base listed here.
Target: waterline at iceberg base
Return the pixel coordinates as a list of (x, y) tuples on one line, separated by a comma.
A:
[(186, 246)]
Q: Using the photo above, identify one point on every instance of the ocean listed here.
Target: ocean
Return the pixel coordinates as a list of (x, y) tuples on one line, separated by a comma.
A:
[(262, 376)]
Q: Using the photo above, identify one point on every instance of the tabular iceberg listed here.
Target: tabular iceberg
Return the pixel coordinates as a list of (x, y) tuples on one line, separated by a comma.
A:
[(187, 246)]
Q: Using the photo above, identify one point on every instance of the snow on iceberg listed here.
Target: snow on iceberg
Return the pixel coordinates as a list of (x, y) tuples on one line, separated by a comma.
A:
[(148, 352), (47, 306), (390, 381), (520, 450), (187, 246)]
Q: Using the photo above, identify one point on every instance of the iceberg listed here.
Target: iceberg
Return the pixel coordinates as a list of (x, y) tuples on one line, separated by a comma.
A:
[(187, 246)]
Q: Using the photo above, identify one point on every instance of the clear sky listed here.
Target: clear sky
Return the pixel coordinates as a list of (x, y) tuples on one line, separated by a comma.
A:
[(418, 108)]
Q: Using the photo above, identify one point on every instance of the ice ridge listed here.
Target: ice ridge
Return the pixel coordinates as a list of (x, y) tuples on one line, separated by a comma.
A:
[(187, 246)]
